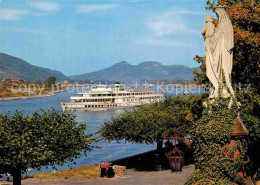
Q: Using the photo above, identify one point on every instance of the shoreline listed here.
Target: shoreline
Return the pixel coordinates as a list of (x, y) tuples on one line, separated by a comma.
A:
[(30, 96)]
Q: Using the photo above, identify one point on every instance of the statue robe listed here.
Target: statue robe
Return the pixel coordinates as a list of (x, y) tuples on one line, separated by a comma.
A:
[(219, 56)]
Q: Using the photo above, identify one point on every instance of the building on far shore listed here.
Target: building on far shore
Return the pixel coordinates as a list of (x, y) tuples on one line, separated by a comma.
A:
[(3, 80), (14, 78), (65, 83)]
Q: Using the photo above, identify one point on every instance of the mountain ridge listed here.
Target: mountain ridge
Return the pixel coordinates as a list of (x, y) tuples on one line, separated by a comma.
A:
[(121, 71), (14, 66), (144, 71)]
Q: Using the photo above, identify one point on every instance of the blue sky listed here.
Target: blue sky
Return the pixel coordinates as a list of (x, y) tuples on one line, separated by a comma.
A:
[(77, 36)]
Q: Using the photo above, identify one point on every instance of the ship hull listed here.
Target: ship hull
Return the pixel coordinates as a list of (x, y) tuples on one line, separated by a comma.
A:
[(67, 106)]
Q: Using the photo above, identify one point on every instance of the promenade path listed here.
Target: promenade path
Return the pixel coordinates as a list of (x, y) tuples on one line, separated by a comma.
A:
[(164, 177)]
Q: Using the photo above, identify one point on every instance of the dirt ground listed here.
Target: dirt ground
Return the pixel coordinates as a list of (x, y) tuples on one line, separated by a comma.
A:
[(164, 177)]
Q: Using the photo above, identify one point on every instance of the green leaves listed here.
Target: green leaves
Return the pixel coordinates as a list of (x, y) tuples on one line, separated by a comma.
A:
[(42, 139), (50, 81), (213, 131), (147, 123)]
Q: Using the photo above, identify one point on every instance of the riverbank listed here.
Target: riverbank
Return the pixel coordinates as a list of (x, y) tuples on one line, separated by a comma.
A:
[(13, 90), (30, 96)]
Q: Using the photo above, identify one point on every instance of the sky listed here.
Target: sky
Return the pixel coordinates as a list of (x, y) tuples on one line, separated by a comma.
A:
[(80, 36)]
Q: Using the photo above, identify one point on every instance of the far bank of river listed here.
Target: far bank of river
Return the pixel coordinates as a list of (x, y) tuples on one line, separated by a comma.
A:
[(30, 96)]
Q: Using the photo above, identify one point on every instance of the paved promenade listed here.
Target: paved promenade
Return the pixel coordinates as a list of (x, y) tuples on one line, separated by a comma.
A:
[(164, 177)]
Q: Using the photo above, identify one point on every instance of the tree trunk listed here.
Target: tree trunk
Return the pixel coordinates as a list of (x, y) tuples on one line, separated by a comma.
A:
[(158, 155), (17, 177), (159, 146)]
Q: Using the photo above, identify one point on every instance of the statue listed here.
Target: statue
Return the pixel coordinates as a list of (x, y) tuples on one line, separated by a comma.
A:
[(219, 43), (207, 32)]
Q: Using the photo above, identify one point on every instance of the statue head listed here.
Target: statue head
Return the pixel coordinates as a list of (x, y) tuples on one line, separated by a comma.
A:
[(208, 18)]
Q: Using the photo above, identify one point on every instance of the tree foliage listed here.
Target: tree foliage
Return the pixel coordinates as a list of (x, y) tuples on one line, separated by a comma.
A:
[(244, 15), (250, 114), (200, 77), (42, 139), (147, 123), (50, 81), (211, 132)]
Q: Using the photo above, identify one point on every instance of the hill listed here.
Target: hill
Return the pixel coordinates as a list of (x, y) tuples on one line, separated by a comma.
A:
[(145, 71), (10, 66)]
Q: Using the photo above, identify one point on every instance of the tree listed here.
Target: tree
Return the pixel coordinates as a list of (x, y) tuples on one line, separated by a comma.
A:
[(49, 138), (244, 15), (200, 77), (250, 114), (147, 123), (50, 81), (214, 129)]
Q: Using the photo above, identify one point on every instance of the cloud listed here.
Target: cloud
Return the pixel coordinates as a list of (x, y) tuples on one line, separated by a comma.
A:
[(170, 23), (179, 11), (160, 28), (164, 42), (93, 8), (166, 27), (12, 14), (16, 14), (45, 6)]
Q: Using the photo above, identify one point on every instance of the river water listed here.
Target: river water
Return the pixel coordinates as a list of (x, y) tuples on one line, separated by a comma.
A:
[(108, 151)]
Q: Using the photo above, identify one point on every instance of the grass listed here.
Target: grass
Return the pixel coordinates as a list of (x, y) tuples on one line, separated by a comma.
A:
[(85, 172)]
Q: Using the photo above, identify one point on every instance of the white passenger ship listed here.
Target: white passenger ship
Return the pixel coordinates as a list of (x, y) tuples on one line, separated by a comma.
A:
[(102, 97)]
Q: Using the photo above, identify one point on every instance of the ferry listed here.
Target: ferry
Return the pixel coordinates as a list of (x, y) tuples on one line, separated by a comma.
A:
[(101, 97)]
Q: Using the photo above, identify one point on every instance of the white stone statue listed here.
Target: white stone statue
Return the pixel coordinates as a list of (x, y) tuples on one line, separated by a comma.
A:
[(219, 43)]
